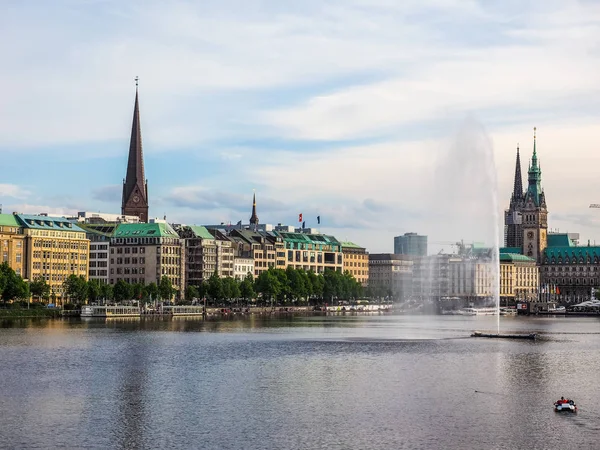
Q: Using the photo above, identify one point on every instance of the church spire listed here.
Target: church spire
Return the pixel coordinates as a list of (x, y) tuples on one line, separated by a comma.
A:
[(535, 175), (518, 184), (135, 188), (254, 217)]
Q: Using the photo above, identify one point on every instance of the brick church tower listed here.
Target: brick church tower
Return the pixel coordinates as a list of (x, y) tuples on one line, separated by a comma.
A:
[(135, 186)]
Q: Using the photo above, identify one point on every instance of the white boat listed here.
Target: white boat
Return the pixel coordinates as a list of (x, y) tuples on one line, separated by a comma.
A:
[(479, 311), (565, 405), (508, 312), (557, 310), (109, 311)]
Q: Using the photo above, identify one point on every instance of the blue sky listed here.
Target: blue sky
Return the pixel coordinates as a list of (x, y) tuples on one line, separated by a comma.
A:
[(376, 115)]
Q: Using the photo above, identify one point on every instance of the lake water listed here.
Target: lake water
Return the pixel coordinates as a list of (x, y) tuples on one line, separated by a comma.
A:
[(304, 382)]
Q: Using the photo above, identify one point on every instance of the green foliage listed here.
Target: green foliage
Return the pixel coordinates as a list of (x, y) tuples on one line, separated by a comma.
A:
[(12, 286), (215, 287), (231, 288), (151, 291), (94, 290), (137, 291), (122, 291), (76, 288), (40, 289), (247, 287), (166, 289), (106, 291), (191, 292)]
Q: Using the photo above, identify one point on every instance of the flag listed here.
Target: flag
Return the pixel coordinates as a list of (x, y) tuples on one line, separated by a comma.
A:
[(303, 225), (300, 217), (319, 220)]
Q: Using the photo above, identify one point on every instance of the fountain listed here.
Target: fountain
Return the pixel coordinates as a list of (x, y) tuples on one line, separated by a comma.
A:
[(467, 200)]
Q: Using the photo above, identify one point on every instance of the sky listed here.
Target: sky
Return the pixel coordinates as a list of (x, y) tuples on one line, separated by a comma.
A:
[(381, 117)]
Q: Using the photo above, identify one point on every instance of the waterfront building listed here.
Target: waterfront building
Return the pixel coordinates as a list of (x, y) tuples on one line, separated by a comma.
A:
[(55, 249), (356, 261), (12, 243), (314, 252), (199, 256), (431, 276), (225, 254), (390, 275), (242, 267), (569, 271), (99, 235), (135, 185), (260, 246), (410, 244), (144, 253), (472, 278), (519, 279)]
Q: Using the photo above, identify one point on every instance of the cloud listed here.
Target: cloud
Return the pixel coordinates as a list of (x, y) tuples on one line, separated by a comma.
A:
[(13, 191), (26, 208), (202, 198), (110, 194)]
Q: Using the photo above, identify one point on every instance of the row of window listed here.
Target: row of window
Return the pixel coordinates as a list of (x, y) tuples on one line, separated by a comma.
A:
[(61, 245)]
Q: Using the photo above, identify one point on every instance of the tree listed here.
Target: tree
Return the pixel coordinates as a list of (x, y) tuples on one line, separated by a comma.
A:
[(215, 287), (137, 291), (151, 291), (40, 289), (231, 287), (122, 291), (268, 285), (76, 288), (94, 290), (191, 292), (247, 288), (106, 291), (13, 286), (165, 288)]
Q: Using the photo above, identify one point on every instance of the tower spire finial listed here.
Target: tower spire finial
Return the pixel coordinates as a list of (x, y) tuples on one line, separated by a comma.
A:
[(254, 217), (137, 79)]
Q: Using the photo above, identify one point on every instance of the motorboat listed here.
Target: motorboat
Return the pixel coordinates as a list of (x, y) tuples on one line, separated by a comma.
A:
[(508, 312), (565, 405)]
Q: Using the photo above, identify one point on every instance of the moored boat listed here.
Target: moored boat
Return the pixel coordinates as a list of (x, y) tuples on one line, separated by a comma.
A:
[(109, 311)]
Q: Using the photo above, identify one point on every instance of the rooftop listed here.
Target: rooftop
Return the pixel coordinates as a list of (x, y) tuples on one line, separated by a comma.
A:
[(515, 257), (351, 245), (9, 220), (47, 223), (126, 230)]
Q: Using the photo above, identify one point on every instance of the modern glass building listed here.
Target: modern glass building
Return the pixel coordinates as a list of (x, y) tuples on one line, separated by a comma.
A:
[(410, 244)]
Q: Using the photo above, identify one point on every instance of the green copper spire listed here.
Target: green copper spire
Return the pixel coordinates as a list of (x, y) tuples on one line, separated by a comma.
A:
[(535, 175)]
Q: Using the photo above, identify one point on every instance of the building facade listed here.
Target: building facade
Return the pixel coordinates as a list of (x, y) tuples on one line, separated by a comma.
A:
[(199, 253), (99, 236), (410, 244), (356, 262), (12, 244), (312, 252), (55, 249), (519, 279), (144, 253), (390, 275), (242, 267)]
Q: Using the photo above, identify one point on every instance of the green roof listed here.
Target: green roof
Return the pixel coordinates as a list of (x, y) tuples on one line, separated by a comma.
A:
[(572, 252), (47, 223), (559, 240), (125, 230), (102, 229), (351, 245), (9, 220), (512, 250), (201, 231), (305, 238), (515, 257)]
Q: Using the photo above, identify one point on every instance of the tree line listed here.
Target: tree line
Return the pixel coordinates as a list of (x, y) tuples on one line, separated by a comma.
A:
[(289, 286)]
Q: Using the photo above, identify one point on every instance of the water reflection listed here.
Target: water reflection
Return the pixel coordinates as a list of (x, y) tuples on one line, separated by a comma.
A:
[(294, 382)]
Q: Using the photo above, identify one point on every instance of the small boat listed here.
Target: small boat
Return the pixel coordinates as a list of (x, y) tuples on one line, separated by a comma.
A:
[(504, 336), (508, 312), (565, 405)]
